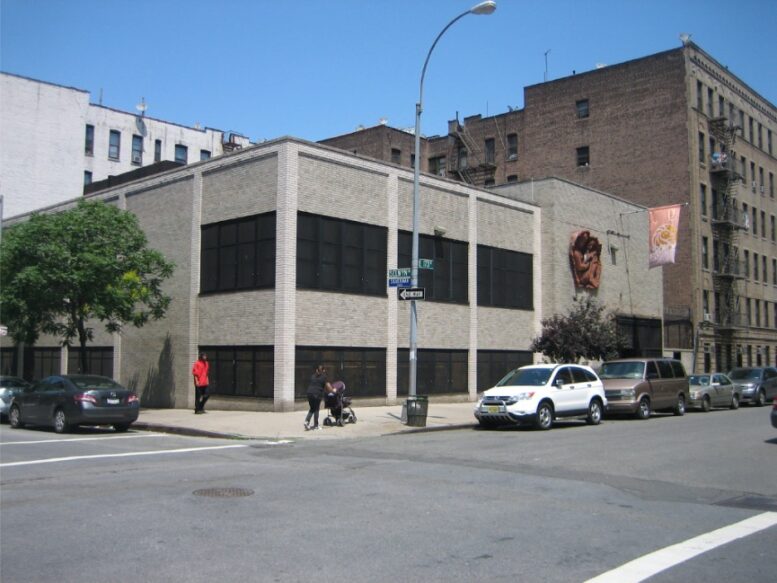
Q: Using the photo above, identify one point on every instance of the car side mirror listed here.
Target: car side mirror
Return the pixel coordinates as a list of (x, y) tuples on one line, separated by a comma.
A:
[(559, 383)]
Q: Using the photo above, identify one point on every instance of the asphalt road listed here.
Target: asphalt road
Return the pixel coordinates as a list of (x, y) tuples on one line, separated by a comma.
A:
[(466, 505)]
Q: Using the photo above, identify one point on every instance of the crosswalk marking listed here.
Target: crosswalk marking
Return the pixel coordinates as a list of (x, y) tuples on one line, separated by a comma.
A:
[(118, 455)]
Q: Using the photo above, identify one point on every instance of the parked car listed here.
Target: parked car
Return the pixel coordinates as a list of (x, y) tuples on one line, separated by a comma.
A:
[(774, 413), (69, 400), (712, 390), (9, 386), (638, 386), (538, 394), (756, 385)]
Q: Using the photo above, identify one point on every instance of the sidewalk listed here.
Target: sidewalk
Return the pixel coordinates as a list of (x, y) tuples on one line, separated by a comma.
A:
[(371, 422)]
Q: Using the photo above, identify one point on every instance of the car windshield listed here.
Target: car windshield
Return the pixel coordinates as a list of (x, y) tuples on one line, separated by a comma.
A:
[(699, 379), (622, 370), (91, 383), (745, 374), (526, 376)]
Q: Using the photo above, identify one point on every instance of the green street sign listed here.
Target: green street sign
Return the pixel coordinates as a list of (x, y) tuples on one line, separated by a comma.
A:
[(425, 264), (401, 272)]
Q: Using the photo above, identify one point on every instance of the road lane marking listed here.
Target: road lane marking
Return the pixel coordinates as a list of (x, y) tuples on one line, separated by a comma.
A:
[(648, 565), (116, 455), (101, 437)]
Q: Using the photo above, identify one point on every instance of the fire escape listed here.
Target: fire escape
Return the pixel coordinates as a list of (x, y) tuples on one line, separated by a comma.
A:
[(727, 221), (468, 162)]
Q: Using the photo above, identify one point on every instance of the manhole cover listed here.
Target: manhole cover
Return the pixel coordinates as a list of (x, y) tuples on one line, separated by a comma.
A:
[(224, 492)]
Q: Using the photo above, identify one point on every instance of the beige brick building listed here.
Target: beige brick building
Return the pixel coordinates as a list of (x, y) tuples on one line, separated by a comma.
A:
[(645, 131), (282, 252)]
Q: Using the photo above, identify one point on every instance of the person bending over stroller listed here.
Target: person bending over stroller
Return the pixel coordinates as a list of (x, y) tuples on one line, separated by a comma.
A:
[(318, 384)]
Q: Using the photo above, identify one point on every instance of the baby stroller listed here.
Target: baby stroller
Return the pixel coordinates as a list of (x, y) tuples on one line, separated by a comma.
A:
[(339, 406)]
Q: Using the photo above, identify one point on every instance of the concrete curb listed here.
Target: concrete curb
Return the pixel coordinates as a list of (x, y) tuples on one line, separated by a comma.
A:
[(191, 432)]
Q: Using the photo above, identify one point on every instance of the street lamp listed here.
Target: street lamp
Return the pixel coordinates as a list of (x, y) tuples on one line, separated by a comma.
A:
[(486, 7)]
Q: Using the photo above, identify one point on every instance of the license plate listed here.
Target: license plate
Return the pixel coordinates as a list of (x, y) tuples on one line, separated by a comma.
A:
[(114, 401), (495, 409)]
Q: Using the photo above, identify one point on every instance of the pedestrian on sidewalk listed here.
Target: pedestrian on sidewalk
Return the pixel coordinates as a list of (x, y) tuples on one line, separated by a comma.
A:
[(318, 384), (200, 373)]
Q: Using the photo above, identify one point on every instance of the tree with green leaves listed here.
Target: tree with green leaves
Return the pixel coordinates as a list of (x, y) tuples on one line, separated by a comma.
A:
[(62, 270), (586, 332)]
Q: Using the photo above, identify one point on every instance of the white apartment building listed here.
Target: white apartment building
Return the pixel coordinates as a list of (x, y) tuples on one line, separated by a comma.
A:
[(53, 141)]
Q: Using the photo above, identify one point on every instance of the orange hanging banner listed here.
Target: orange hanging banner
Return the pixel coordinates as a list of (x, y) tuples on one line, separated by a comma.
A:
[(664, 222)]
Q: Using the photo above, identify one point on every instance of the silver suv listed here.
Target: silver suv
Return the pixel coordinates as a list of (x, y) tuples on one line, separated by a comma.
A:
[(758, 385)]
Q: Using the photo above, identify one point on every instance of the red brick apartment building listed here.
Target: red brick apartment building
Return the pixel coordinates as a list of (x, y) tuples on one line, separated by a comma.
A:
[(646, 130)]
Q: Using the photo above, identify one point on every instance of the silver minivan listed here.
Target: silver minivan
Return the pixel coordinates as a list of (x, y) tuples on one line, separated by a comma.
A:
[(638, 386)]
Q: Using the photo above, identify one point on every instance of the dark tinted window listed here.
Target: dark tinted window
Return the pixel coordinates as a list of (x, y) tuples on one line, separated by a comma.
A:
[(238, 254), (363, 370), (580, 375), (492, 365), (246, 371), (678, 369), (505, 278), (99, 361), (651, 371), (665, 368), (338, 255), (565, 374), (448, 280), (438, 371)]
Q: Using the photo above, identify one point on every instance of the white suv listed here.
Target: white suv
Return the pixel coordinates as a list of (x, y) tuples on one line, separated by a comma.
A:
[(540, 393)]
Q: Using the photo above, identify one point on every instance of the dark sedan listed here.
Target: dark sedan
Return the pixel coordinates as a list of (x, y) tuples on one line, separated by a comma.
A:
[(66, 401)]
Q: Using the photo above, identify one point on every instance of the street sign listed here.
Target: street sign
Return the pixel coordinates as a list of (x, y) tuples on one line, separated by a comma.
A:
[(426, 264), (411, 293), (401, 272), (399, 281)]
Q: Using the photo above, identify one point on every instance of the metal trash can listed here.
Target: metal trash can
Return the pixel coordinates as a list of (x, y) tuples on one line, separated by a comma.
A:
[(417, 408)]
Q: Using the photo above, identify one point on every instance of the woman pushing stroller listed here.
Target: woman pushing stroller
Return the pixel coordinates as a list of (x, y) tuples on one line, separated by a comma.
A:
[(318, 384)]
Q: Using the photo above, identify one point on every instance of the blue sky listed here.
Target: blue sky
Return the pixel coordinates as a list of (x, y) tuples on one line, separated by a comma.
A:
[(319, 68)]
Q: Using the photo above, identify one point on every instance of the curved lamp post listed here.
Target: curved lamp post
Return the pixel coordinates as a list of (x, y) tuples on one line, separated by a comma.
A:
[(486, 7)]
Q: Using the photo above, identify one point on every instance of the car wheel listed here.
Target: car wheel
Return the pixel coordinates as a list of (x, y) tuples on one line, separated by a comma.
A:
[(353, 417), (15, 417), (735, 401), (594, 412), (760, 399), (643, 410), (121, 427), (679, 409), (705, 404), (60, 421), (544, 416)]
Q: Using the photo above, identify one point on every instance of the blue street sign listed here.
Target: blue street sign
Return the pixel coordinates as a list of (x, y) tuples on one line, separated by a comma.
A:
[(399, 282)]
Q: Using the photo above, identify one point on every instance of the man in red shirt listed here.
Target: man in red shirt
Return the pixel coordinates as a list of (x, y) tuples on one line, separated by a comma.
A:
[(200, 374)]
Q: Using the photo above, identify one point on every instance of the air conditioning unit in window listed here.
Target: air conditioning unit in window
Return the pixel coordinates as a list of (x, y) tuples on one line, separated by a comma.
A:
[(137, 159), (753, 185), (707, 317), (762, 189)]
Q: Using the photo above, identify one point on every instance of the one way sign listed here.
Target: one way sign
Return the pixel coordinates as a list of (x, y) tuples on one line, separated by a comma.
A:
[(411, 293)]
